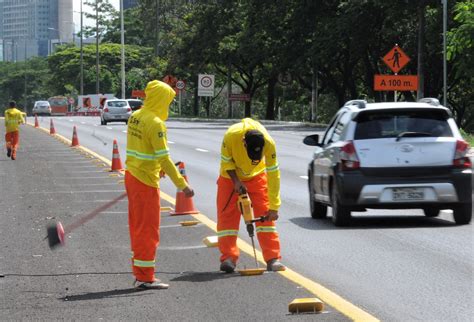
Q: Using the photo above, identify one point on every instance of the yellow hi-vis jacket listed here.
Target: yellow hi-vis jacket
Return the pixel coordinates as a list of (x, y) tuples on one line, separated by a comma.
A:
[(13, 119), (234, 157), (147, 150)]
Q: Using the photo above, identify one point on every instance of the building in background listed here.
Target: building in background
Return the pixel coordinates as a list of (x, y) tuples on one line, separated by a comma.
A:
[(29, 27), (129, 4)]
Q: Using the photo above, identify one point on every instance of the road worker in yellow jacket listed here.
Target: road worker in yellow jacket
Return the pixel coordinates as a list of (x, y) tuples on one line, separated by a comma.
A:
[(248, 164), (13, 119), (148, 156)]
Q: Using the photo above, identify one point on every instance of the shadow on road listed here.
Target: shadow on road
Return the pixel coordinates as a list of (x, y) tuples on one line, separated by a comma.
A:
[(374, 222), (105, 294), (202, 276)]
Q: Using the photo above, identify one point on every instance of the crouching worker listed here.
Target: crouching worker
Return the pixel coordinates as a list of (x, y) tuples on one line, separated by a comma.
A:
[(248, 162), (13, 119), (148, 156)]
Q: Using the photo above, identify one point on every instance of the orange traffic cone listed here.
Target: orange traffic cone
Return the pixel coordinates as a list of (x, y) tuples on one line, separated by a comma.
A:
[(116, 162), (184, 205), (36, 121), (75, 140), (52, 130)]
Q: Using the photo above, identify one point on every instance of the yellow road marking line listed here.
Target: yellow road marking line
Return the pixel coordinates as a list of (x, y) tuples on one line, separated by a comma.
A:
[(332, 299)]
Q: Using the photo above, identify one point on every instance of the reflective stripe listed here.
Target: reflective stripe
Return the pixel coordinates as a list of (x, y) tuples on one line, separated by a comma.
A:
[(162, 153), (225, 159), (229, 232), (141, 156), (139, 263), (266, 229), (274, 168)]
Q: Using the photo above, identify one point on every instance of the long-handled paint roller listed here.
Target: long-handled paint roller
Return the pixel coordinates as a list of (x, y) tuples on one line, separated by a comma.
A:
[(56, 233)]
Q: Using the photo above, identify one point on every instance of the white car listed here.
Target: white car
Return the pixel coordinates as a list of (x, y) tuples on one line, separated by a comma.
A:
[(390, 156), (115, 110), (41, 108)]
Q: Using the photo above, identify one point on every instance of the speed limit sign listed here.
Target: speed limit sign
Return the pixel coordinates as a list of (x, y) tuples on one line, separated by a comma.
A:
[(180, 85)]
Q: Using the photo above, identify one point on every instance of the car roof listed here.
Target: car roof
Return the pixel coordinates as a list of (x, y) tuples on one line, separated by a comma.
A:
[(116, 100), (393, 106), (41, 102)]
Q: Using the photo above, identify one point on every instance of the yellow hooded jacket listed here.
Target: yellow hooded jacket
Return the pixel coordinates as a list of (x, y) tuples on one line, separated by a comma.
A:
[(147, 150), (234, 157), (13, 119)]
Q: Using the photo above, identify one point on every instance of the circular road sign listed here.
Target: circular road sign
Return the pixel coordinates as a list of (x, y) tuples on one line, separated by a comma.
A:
[(180, 85), (206, 81)]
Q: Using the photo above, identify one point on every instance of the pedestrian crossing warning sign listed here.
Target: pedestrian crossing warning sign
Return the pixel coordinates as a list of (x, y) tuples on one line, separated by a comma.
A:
[(396, 59)]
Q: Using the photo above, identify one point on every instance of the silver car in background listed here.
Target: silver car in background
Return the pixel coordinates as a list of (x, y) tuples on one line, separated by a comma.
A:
[(115, 110), (41, 108)]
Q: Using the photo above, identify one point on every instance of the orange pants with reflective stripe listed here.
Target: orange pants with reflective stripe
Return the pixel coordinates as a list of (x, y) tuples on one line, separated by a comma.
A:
[(144, 226), (228, 218), (12, 140)]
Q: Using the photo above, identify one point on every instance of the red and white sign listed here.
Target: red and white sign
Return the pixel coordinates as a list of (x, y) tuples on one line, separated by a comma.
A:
[(396, 59), (395, 82), (205, 85), (240, 97), (180, 85)]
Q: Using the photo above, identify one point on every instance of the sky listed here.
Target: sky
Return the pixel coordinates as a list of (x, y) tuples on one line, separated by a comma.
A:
[(87, 22)]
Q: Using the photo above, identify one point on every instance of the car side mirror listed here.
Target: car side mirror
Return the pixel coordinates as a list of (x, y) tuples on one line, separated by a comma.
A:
[(312, 140)]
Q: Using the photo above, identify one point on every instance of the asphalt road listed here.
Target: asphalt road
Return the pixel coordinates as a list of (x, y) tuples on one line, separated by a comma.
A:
[(395, 265)]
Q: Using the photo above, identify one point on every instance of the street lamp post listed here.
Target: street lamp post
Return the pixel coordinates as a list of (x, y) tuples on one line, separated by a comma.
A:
[(122, 42), (445, 67), (97, 84), (82, 57)]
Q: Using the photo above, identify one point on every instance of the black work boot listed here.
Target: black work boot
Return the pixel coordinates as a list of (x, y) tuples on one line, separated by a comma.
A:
[(9, 152), (228, 266)]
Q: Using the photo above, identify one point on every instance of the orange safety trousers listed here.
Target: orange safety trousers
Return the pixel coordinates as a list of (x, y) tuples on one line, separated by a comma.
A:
[(144, 226), (228, 218), (12, 140)]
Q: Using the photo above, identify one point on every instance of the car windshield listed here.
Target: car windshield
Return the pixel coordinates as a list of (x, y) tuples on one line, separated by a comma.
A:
[(387, 124), (135, 103), (117, 104)]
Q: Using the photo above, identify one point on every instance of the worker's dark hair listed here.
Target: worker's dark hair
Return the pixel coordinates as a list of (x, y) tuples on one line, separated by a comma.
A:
[(12, 103)]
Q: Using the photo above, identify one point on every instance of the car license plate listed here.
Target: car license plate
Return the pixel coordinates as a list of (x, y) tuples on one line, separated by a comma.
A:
[(407, 194)]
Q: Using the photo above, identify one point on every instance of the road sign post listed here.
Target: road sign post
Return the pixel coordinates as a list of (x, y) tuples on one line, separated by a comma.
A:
[(180, 85)]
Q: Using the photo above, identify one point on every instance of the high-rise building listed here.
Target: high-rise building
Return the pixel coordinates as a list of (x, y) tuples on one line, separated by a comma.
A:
[(29, 27), (129, 4)]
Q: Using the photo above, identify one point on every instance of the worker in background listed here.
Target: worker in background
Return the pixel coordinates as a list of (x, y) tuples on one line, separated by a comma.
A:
[(13, 119), (148, 156), (248, 164)]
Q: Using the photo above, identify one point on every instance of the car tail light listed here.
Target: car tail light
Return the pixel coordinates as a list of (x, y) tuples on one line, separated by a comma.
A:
[(129, 109), (460, 155), (106, 109), (348, 155)]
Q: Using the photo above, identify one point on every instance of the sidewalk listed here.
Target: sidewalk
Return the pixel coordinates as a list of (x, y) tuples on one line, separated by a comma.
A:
[(90, 277)]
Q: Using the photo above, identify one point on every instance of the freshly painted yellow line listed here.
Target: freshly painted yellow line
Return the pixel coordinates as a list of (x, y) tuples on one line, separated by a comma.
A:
[(332, 299)]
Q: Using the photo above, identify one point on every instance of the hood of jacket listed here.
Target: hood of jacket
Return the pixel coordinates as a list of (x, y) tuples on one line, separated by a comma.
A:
[(158, 97)]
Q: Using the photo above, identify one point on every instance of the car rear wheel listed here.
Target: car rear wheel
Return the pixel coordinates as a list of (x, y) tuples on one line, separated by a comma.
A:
[(318, 210), (103, 122), (463, 214), (341, 215), (431, 212)]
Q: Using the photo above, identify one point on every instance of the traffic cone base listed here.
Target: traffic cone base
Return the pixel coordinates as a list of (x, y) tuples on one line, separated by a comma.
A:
[(36, 121), (184, 205)]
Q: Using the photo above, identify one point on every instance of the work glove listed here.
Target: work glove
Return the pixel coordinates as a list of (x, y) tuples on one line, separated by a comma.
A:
[(272, 215)]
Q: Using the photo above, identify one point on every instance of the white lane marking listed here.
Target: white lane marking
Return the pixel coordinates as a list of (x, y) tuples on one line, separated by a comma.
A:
[(75, 192), (304, 177), (201, 150), (96, 124), (83, 122), (71, 120), (114, 212), (448, 211), (124, 131), (170, 142), (109, 128)]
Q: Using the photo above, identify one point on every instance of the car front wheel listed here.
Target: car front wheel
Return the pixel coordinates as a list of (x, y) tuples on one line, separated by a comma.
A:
[(341, 215), (318, 210), (462, 214)]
